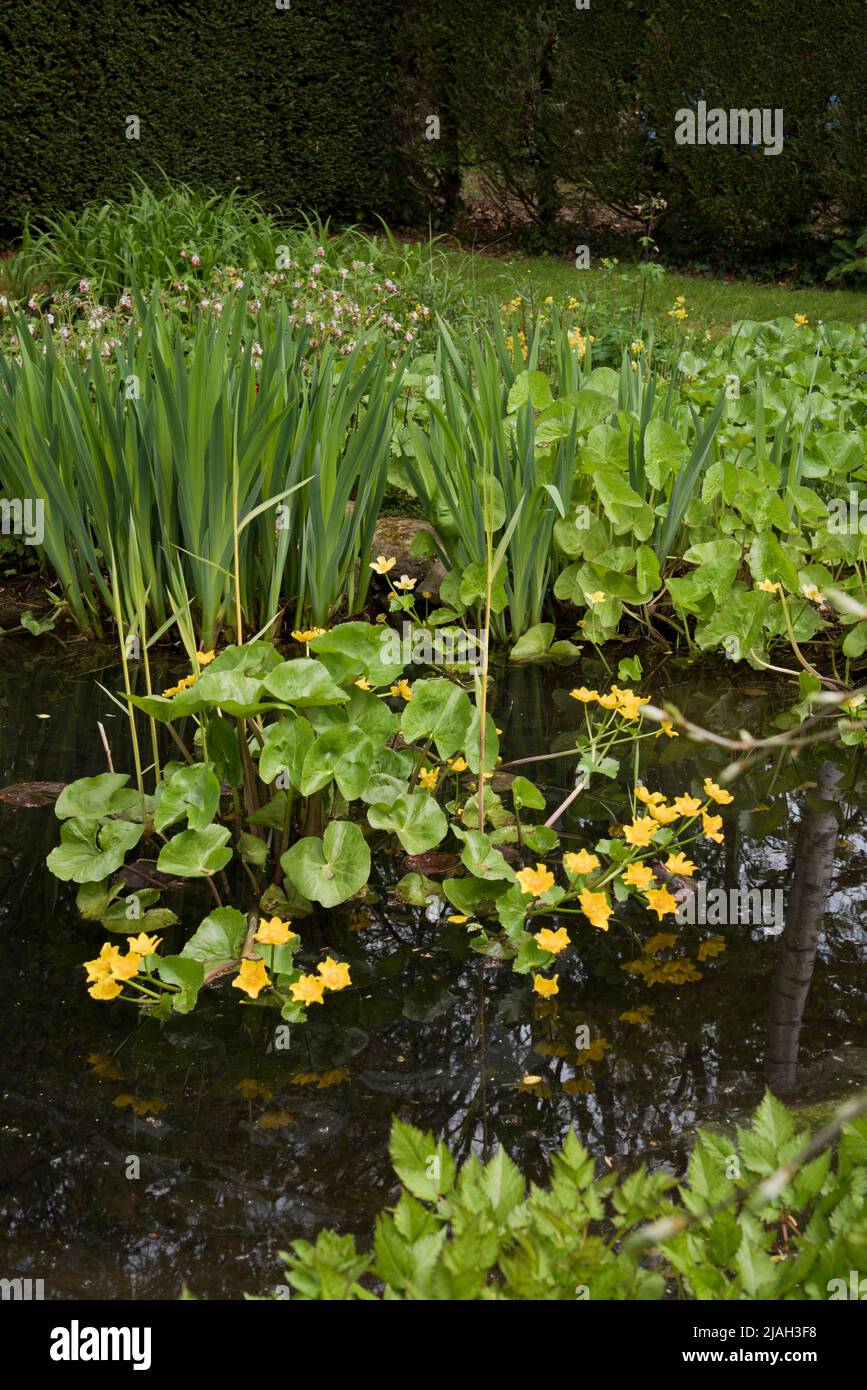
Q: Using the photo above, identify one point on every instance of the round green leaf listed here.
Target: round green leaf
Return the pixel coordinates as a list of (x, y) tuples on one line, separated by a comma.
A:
[(330, 870)]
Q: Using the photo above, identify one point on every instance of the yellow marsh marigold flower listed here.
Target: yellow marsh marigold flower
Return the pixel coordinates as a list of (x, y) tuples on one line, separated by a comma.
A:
[(553, 941), (205, 658), (712, 826), (711, 947), (274, 932), (143, 944), (536, 881), (546, 987), (402, 689), (801, 319), (629, 704), (428, 778), (596, 908), (609, 701), (363, 683), (334, 974), (679, 864), (405, 583), (638, 876), (666, 727), (581, 862), (309, 633), (100, 967), (105, 989), (598, 596), (584, 695), (662, 813), (768, 586), (458, 918), (458, 764), (660, 901), (811, 592), (126, 966), (181, 685), (252, 978), (648, 797), (716, 793), (382, 565), (641, 831), (853, 701), (308, 990), (687, 805)]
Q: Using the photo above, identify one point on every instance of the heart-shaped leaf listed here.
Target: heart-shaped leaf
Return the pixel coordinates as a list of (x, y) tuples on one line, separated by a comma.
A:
[(94, 797), (196, 853), (89, 852), (329, 870), (218, 939), (192, 791), (416, 819)]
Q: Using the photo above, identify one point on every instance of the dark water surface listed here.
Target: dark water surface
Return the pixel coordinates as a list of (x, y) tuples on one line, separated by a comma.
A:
[(429, 1031)]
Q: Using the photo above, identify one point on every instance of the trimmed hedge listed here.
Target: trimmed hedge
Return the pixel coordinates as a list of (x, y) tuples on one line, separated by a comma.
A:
[(293, 105)]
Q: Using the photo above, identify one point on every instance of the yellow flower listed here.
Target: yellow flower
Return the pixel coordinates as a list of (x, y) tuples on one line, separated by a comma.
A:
[(637, 347), (143, 944), (334, 974), (105, 989), (576, 340), (716, 793), (458, 764), (545, 987), (667, 728), (609, 701), (596, 908), (584, 695), (251, 1089), (580, 863), (811, 592), (100, 968), (638, 876), (308, 634), (801, 319), (687, 805), (181, 685), (553, 941), (648, 797), (402, 689), (660, 901), (598, 596), (458, 917), (382, 565), (363, 683), (712, 826), (679, 864), (663, 941), (405, 582), (641, 831), (549, 299), (712, 947), (536, 881), (274, 932), (768, 586), (853, 701), (308, 990), (252, 978), (664, 814), (428, 778), (629, 704), (205, 658), (124, 967)]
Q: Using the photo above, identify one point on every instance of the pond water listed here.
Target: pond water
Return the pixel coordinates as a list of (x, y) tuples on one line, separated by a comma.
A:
[(430, 1030)]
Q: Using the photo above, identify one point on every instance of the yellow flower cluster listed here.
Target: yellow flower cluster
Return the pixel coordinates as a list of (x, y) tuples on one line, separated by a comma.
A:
[(626, 703), (679, 310), (108, 972), (670, 972), (253, 976), (202, 659)]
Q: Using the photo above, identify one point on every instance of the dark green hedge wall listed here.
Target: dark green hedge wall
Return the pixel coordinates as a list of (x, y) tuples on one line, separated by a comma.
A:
[(293, 105)]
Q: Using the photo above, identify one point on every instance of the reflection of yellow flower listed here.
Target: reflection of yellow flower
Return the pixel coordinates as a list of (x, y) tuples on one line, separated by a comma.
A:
[(553, 941), (382, 565), (711, 947), (716, 793), (545, 987), (251, 1089), (687, 805), (252, 978), (679, 864), (402, 689), (638, 876), (333, 973), (641, 1015), (641, 831), (660, 901), (536, 881), (273, 932), (580, 863), (308, 990), (596, 908), (712, 826), (584, 695), (428, 778), (143, 944), (663, 941)]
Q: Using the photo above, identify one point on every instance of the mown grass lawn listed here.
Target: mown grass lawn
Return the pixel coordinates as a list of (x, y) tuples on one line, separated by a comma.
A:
[(713, 302)]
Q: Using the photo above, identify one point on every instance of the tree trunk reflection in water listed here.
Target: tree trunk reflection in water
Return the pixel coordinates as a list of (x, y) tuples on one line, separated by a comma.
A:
[(796, 956)]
